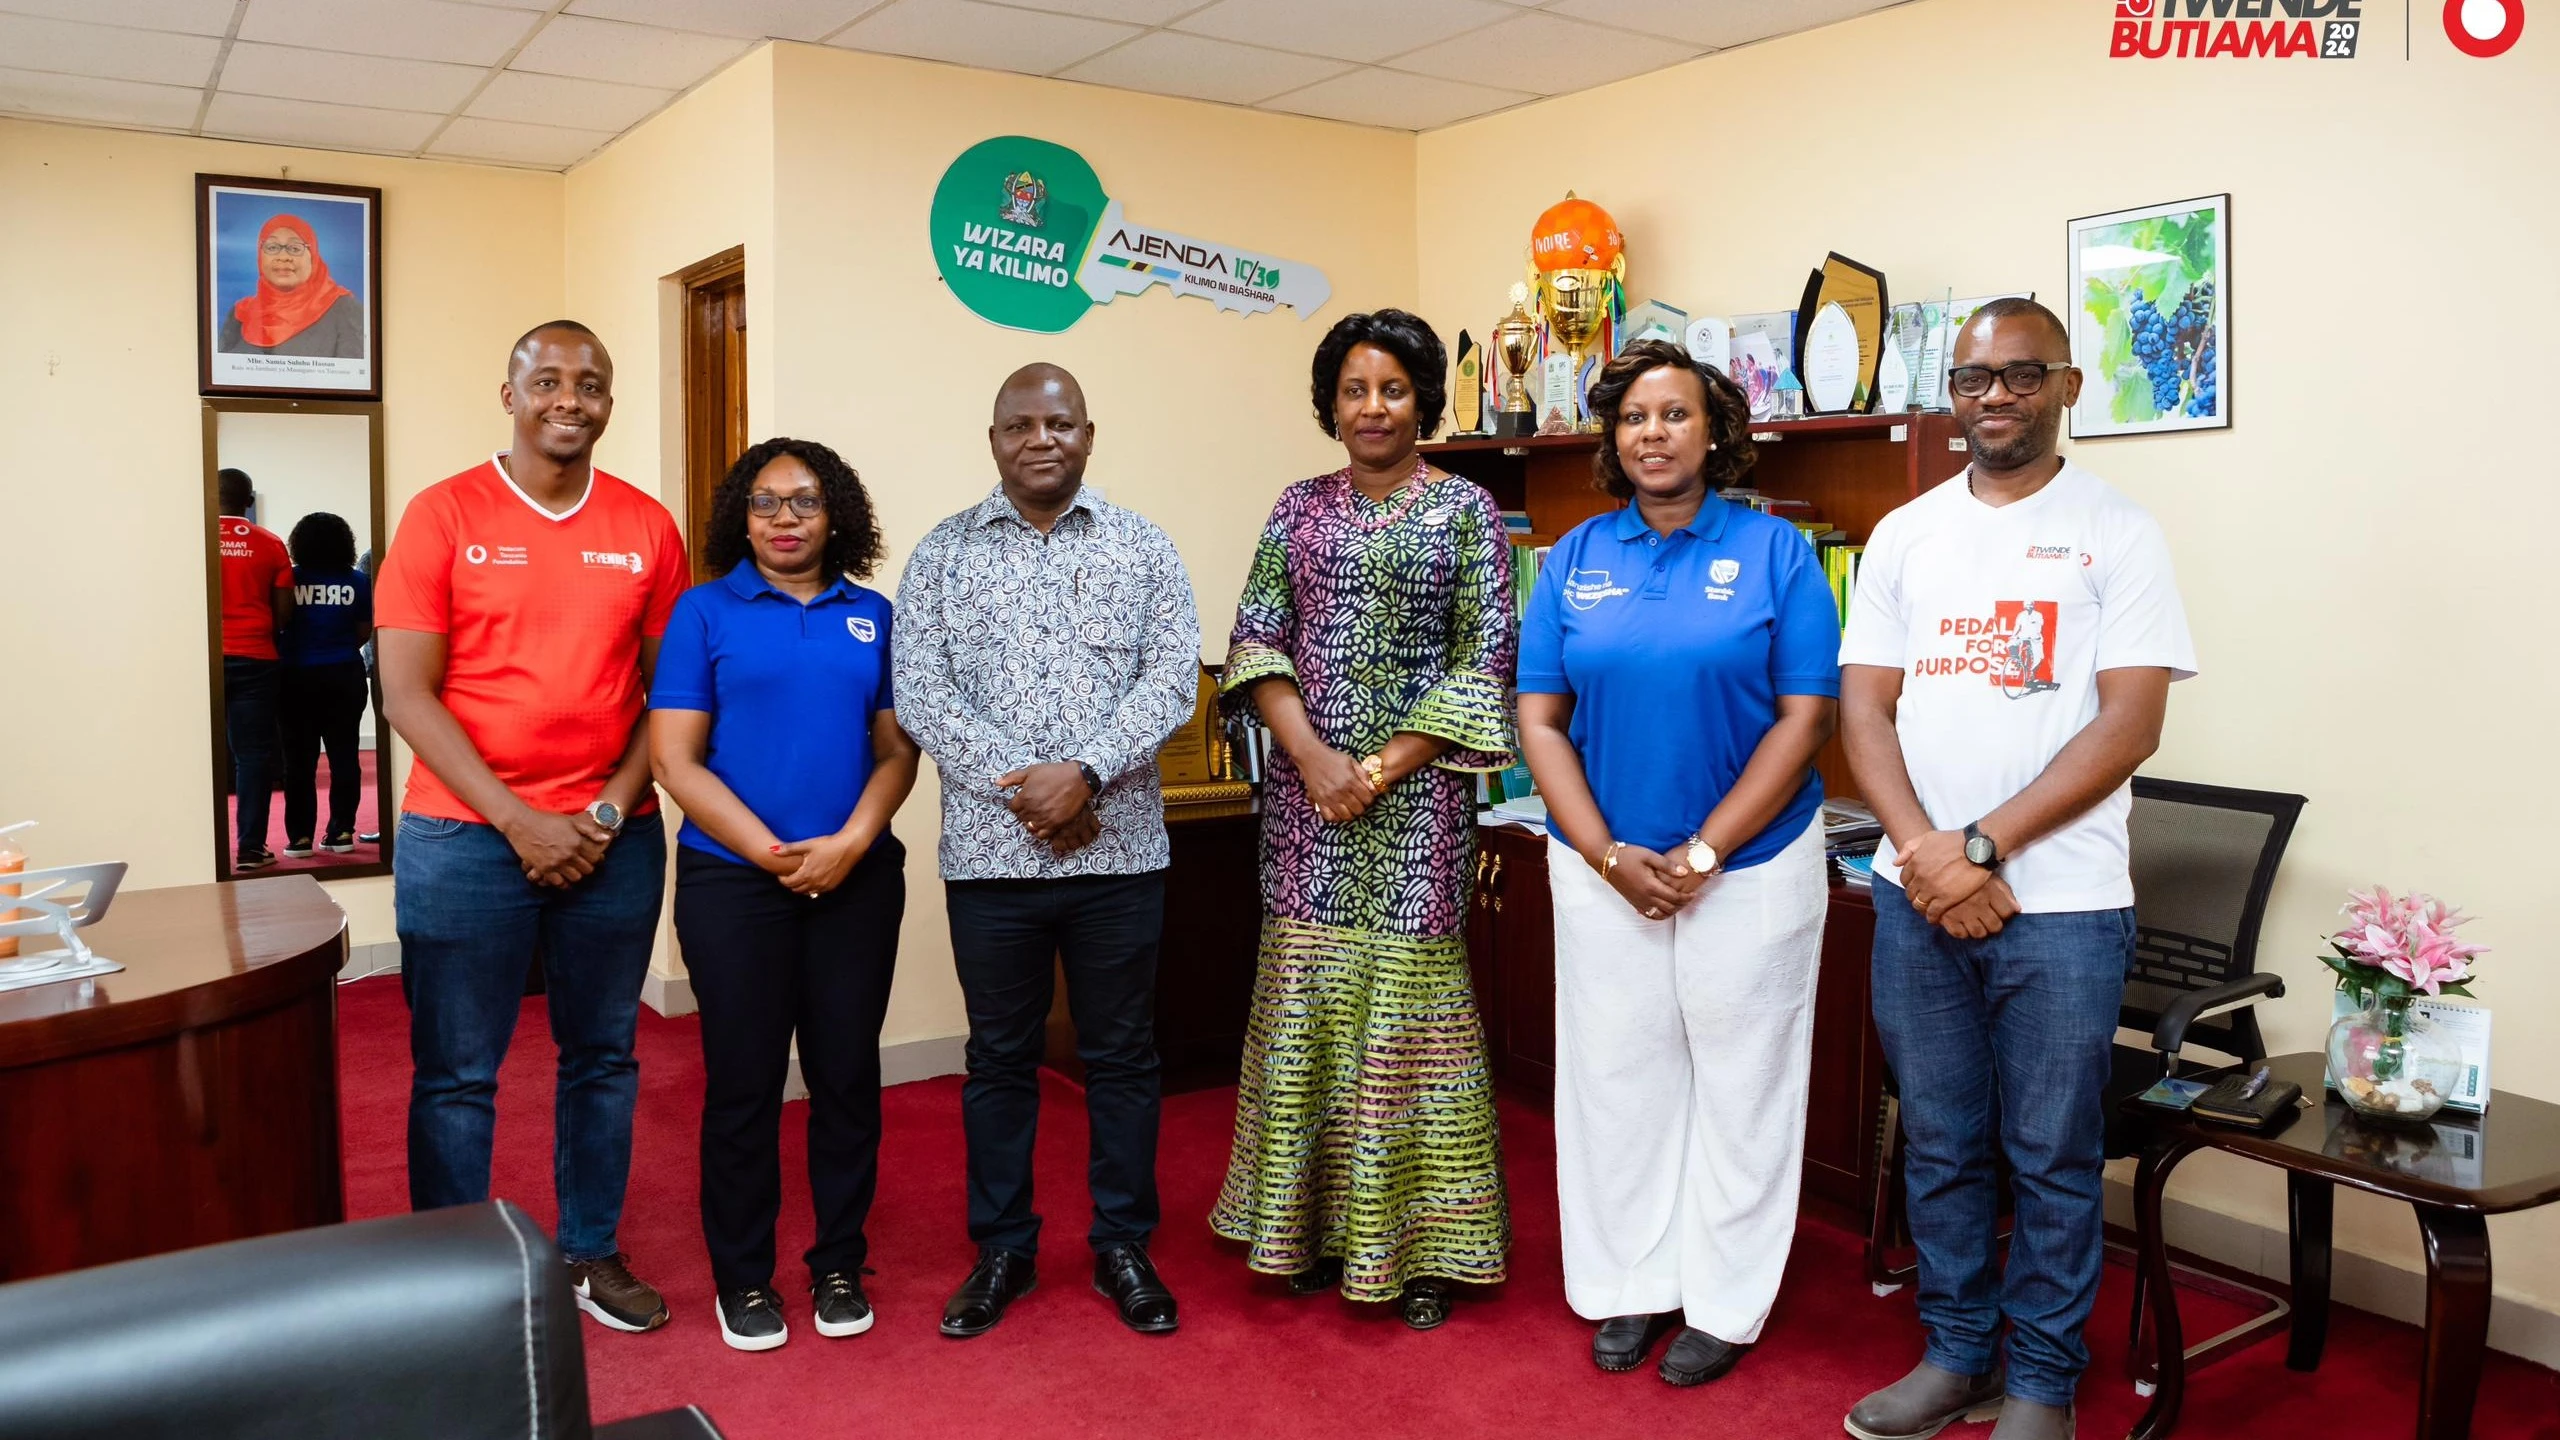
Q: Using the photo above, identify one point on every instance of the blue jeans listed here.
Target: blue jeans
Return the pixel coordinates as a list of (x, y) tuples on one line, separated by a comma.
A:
[(2004, 1043), (469, 923)]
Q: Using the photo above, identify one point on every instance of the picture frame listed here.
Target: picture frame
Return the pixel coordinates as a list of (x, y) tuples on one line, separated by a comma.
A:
[(2149, 307), (288, 288)]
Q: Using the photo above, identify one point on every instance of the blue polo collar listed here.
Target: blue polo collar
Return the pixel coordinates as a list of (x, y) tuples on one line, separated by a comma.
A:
[(1709, 525), (749, 582)]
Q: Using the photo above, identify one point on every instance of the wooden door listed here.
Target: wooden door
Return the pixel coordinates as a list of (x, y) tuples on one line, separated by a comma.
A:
[(715, 386)]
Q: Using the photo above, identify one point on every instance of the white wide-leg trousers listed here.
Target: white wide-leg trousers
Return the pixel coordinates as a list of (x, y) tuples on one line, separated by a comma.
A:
[(1682, 1051)]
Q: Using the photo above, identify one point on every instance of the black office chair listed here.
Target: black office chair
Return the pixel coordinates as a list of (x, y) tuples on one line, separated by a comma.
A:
[(2204, 859)]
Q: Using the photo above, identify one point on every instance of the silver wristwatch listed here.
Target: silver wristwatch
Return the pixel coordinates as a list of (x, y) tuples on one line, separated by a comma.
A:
[(608, 815)]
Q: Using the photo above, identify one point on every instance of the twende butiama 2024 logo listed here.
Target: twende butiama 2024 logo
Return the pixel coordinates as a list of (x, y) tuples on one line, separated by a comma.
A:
[(2236, 29)]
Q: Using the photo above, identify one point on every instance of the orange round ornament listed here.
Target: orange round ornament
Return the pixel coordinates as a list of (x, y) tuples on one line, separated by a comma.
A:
[(1575, 234)]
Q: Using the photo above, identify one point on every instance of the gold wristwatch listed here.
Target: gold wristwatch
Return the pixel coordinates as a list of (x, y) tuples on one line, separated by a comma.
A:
[(1702, 856)]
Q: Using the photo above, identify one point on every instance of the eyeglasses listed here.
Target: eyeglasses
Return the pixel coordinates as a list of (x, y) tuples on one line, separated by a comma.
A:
[(2023, 378), (284, 248), (807, 505)]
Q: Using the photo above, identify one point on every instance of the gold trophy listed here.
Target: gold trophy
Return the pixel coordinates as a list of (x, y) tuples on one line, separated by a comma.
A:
[(1515, 340), (1578, 259)]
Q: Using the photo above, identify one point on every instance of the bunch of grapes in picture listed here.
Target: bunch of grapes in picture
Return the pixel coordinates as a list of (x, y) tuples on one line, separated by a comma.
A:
[(2191, 330), (2155, 345)]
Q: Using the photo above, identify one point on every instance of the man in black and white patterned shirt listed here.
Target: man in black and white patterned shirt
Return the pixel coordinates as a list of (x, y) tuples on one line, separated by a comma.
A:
[(1047, 644)]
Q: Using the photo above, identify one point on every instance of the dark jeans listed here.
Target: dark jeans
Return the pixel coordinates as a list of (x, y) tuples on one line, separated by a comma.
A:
[(766, 962), (469, 922), (2001, 1048), (1008, 937), (323, 709), (249, 728)]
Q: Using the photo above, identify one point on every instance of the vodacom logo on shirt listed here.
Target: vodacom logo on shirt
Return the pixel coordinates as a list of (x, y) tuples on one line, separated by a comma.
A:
[(614, 559)]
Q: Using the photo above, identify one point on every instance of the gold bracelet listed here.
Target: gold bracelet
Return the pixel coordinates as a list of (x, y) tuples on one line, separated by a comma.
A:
[(1609, 860), (1375, 767)]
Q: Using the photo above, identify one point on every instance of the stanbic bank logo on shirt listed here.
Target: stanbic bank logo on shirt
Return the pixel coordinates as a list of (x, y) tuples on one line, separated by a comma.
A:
[(1585, 589), (613, 559)]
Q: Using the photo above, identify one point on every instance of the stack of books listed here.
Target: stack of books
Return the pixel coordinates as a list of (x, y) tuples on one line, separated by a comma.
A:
[(1850, 834), (1526, 561), (1839, 557)]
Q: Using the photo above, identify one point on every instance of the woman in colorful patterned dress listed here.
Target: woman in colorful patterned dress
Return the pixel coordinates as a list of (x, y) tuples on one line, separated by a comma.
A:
[(1376, 638)]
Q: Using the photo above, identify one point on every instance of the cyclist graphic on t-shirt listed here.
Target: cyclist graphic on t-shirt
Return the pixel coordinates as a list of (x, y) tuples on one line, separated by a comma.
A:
[(2026, 656)]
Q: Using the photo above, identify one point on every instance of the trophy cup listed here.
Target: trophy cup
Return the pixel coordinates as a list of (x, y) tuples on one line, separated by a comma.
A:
[(1579, 260), (1515, 340)]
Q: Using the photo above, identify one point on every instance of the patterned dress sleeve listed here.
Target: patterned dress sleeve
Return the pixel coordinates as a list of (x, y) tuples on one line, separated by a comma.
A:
[(1470, 707), (1266, 632)]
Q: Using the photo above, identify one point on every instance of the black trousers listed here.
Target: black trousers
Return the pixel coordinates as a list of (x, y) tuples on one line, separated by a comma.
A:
[(249, 728), (323, 707), (1005, 936), (765, 963)]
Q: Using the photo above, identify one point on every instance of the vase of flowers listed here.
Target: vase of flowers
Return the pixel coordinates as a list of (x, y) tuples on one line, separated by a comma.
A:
[(2387, 1061)]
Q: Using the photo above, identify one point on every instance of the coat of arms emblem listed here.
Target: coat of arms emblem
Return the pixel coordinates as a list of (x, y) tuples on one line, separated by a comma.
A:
[(1025, 198)]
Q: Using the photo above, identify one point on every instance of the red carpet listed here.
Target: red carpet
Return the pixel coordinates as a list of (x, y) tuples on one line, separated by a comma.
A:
[(1250, 1361), (368, 820)]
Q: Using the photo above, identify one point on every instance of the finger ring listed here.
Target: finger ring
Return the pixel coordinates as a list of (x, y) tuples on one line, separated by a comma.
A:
[(1653, 912)]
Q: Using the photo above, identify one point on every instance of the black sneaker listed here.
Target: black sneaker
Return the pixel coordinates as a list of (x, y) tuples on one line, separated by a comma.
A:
[(839, 1304), (253, 860), (297, 849), (751, 1319), (369, 837), (340, 843)]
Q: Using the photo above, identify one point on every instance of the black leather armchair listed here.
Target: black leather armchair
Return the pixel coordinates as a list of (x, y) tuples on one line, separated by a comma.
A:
[(452, 1325)]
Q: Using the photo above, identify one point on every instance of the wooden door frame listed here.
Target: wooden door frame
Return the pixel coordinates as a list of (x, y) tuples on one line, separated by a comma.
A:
[(718, 272)]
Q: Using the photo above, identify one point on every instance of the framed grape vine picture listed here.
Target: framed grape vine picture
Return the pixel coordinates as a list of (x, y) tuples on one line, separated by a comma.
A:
[(2150, 313)]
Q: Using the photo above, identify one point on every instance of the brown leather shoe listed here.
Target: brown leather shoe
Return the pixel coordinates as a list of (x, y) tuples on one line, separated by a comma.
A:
[(2027, 1420), (1925, 1402), (607, 1290)]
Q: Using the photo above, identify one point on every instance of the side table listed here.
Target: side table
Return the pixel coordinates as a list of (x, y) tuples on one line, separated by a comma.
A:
[(2454, 1173)]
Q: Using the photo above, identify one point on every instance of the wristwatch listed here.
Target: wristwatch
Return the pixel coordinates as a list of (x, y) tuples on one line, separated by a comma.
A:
[(1092, 781), (1702, 856), (1979, 849), (1375, 767), (608, 815)]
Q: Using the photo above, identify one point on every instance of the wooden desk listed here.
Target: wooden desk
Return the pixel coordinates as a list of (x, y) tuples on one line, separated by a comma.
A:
[(2454, 1173), (191, 1097)]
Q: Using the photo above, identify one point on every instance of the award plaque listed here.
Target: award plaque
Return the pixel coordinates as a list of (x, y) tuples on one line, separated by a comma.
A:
[(1898, 371), (1653, 320), (1469, 393), (1559, 409), (1189, 755), (1833, 361), (1859, 293), (1710, 342)]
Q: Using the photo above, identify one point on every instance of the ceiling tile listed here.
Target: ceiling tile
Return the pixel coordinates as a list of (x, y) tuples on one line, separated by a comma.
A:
[(1202, 69), (546, 145), (112, 102), (1715, 23), (1135, 12), (752, 19), (1351, 29), (630, 54), (304, 122), (557, 100), (991, 37), (384, 84), (104, 51), (1544, 53), (408, 29), (1399, 102), (187, 17)]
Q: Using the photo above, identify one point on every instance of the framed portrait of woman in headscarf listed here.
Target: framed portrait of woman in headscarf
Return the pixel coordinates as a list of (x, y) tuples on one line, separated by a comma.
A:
[(289, 288)]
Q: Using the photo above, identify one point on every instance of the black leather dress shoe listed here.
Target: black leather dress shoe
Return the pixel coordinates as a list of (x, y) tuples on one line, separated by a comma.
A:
[(1624, 1340), (1000, 1278), (1697, 1357), (1123, 1275)]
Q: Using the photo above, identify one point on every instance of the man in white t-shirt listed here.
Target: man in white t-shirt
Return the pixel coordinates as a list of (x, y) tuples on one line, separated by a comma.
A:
[(2006, 666)]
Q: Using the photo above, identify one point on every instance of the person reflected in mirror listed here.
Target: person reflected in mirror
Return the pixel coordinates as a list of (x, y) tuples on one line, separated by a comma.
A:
[(1048, 645), (772, 723), (520, 609), (1375, 639), (1998, 750), (1678, 672), (324, 686), (257, 604), (296, 309)]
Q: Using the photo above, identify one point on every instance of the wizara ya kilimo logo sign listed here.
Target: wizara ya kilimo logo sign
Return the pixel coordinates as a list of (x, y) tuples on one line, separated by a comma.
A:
[(1024, 236), (2290, 29)]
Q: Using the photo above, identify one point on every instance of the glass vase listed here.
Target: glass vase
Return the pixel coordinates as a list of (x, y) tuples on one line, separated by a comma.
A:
[(2390, 1063)]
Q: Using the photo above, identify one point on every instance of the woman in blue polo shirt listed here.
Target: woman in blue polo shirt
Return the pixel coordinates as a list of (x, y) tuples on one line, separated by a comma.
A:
[(1679, 667), (772, 725)]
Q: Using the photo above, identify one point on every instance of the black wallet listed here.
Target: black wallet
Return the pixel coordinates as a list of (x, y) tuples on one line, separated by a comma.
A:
[(2270, 1109)]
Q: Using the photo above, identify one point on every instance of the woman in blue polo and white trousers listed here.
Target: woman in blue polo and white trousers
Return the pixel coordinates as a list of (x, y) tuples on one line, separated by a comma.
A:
[(1679, 668)]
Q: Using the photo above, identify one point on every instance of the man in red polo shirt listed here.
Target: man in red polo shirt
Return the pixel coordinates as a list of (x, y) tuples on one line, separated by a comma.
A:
[(519, 612), (257, 598)]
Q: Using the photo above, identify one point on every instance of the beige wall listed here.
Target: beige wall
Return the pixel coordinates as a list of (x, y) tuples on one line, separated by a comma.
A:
[(102, 543), (2361, 554)]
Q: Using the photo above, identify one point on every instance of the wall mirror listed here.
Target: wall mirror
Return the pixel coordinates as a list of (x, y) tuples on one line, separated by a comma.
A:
[(293, 526)]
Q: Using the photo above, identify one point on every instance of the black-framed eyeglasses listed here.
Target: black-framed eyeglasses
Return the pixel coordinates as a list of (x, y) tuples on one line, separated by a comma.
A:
[(2024, 378), (806, 505)]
